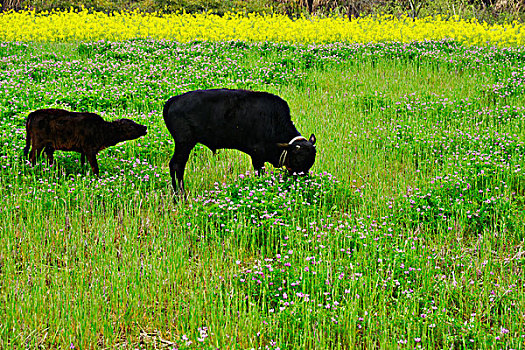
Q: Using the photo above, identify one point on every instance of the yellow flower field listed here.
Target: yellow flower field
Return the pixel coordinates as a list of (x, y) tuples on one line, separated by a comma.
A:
[(85, 26)]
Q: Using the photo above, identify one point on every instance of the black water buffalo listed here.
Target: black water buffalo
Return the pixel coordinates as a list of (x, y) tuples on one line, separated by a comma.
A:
[(87, 133), (256, 123)]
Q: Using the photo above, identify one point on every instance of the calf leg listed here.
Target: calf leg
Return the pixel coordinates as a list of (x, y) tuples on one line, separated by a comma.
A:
[(32, 156), (177, 165), (28, 142), (92, 159), (35, 152), (49, 151)]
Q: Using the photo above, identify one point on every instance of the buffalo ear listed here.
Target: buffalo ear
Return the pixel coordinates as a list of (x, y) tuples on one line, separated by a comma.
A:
[(312, 139), (287, 146)]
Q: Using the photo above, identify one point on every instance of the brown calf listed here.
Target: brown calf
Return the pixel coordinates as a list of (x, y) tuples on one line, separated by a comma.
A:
[(87, 133)]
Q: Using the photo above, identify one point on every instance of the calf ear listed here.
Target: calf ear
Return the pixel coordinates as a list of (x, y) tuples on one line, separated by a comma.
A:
[(283, 145), (312, 139)]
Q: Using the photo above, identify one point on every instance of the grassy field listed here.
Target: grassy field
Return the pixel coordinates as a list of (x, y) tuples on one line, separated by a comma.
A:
[(408, 233)]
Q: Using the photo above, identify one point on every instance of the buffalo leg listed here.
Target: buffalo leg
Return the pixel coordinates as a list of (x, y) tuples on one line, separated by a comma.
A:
[(258, 165), (82, 158), (177, 165), (92, 159)]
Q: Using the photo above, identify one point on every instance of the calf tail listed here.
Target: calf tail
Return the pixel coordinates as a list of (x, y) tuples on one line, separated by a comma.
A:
[(28, 135)]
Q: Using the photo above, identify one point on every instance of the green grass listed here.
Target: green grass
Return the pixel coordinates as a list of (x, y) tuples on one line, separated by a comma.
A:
[(408, 233)]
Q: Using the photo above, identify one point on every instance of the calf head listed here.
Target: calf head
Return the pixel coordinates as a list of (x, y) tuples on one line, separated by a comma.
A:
[(300, 155), (129, 130)]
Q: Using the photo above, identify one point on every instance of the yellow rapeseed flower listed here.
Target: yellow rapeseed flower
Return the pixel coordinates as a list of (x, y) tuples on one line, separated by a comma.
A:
[(90, 26)]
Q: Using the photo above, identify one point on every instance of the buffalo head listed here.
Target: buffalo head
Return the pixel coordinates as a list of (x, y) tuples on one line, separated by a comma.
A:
[(298, 155)]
